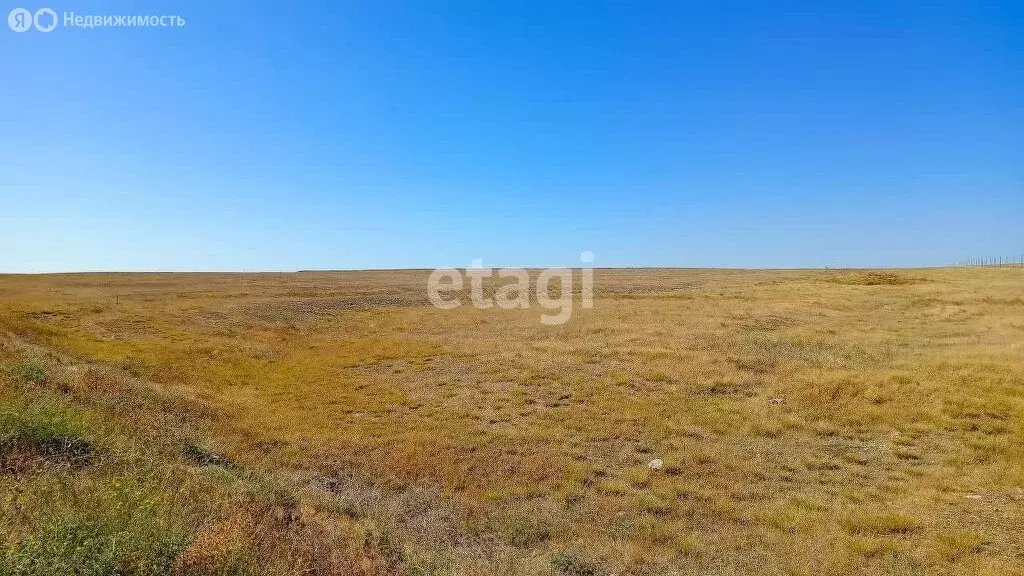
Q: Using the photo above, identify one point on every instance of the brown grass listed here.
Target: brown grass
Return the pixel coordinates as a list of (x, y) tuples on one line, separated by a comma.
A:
[(810, 421)]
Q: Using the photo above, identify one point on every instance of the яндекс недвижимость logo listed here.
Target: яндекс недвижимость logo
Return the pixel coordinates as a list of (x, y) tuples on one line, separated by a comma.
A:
[(20, 19), (45, 20)]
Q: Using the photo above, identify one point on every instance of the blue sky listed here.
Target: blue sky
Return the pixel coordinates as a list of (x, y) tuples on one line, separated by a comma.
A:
[(381, 134)]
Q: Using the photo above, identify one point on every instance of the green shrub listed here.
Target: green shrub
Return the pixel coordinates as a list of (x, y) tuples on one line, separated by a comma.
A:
[(32, 371), (572, 564), (520, 528)]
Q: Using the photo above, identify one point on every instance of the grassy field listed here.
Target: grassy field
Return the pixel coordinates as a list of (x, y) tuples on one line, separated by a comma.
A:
[(810, 422)]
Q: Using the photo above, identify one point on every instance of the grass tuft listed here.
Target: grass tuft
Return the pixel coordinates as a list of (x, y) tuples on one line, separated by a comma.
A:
[(881, 524)]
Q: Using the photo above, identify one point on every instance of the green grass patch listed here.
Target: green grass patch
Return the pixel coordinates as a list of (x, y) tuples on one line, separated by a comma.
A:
[(31, 371), (97, 526), (46, 430)]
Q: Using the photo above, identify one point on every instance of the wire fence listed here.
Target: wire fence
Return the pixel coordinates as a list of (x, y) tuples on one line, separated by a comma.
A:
[(1002, 261)]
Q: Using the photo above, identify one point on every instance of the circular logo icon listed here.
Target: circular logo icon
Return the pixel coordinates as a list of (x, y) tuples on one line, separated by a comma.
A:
[(20, 19), (45, 19)]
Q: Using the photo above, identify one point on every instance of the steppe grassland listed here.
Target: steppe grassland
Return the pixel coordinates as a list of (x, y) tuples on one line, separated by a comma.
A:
[(809, 421)]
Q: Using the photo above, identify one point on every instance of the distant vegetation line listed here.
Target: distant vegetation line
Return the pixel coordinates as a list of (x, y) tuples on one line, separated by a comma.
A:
[(1004, 261)]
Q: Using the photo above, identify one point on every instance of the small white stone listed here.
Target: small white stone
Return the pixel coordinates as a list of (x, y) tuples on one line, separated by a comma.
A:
[(655, 464)]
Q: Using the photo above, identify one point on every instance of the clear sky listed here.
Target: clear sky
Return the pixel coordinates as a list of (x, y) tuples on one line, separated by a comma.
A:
[(376, 134)]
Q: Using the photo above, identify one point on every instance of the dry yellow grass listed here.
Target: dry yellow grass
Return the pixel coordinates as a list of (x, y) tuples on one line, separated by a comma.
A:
[(811, 422)]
